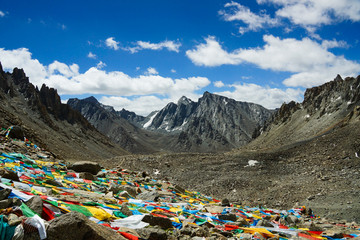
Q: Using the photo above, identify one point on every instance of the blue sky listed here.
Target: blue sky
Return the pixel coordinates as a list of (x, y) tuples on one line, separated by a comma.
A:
[(141, 54)]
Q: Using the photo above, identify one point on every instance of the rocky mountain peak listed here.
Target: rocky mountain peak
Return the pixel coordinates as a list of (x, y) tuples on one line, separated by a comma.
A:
[(184, 101), (329, 97), (91, 99), (19, 76)]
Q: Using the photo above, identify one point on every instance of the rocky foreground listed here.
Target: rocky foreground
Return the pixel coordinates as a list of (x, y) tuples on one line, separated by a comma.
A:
[(43, 198)]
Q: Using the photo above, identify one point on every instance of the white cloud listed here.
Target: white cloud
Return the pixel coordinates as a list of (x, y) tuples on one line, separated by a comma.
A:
[(141, 45), (2, 14), (63, 26), (219, 84), (151, 71), (91, 55), (254, 22), (111, 43), (68, 80), (173, 70), (334, 44), (310, 62), (140, 105), (270, 98), (314, 13), (100, 65), (211, 54)]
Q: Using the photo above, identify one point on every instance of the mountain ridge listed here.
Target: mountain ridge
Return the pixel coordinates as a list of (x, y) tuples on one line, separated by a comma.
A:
[(214, 123), (47, 121)]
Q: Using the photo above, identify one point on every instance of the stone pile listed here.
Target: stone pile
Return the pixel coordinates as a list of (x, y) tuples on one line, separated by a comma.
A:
[(41, 198)]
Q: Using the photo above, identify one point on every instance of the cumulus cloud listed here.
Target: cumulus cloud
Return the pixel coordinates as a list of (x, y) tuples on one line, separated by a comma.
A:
[(254, 22), (211, 54), (270, 98), (2, 14), (68, 80), (219, 84), (91, 55), (173, 70), (308, 14), (141, 45), (314, 13), (111, 43), (151, 71), (100, 65), (310, 62)]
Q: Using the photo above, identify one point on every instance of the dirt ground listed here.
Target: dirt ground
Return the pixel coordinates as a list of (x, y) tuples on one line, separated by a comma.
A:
[(322, 173)]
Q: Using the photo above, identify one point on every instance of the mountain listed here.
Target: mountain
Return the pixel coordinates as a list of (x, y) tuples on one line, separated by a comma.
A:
[(120, 126), (48, 122), (325, 108), (214, 123)]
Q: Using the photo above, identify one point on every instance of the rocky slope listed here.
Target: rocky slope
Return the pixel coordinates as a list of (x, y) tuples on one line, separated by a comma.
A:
[(117, 125), (324, 108), (48, 122)]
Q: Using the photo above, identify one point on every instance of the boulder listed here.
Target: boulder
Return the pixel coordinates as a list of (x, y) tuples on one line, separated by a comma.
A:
[(10, 202), (115, 188), (152, 233), (53, 182), (225, 202), (125, 210), (4, 193), (16, 132), (179, 189), (77, 226), (36, 204), (264, 223), (149, 196), (291, 219), (86, 166), (164, 223), (87, 176), (227, 217), (9, 175)]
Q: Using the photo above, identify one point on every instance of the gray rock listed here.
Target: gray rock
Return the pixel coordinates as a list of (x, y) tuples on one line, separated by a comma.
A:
[(264, 223), (4, 194), (125, 210), (152, 233), (53, 182), (179, 189), (87, 176), (164, 223), (14, 220), (292, 219), (75, 225), (5, 203), (9, 175), (148, 196), (241, 222), (36, 204), (187, 230), (115, 188), (9, 203), (225, 202), (101, 174), (17, 132), (86, 166), (228, 217)]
